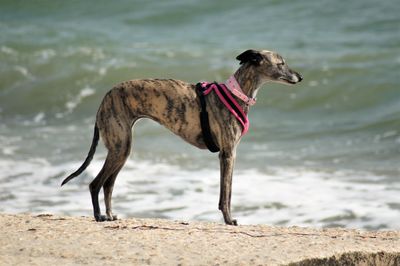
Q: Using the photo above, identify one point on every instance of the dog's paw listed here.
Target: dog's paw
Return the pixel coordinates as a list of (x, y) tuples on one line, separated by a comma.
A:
[(232, 222), (112, 217), (100, 218)]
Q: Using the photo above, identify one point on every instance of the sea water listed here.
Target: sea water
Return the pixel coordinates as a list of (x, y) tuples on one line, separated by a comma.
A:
[(325, 152)]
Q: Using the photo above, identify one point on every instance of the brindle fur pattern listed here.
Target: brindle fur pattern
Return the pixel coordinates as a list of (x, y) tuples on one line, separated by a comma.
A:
[(175, 104)]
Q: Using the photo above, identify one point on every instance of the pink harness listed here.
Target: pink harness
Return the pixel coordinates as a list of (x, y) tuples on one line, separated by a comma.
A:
[(234, 87), (224, 92)]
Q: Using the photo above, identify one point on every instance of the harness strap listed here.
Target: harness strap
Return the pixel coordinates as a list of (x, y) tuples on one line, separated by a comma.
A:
[(224, 93), (234, 87), (205, 122), (230, 103)]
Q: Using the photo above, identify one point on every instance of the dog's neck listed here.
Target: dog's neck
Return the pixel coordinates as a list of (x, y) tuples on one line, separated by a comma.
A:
[(249, 83)]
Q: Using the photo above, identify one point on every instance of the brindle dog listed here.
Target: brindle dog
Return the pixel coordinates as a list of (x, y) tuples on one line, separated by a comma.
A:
[(176, 105)]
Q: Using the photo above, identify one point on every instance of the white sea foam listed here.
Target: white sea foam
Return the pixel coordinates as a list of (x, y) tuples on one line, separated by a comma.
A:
[(94, 52), (39, 117), (289, 196), (9, 145), (85, 92), (8, 50), (45, 55), (24, 72)]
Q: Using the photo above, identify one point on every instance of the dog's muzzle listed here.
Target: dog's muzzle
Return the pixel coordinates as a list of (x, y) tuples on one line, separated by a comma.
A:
[(293, 79)]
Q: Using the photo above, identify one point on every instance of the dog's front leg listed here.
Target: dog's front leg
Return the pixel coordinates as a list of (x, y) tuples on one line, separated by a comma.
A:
[(227, 161)]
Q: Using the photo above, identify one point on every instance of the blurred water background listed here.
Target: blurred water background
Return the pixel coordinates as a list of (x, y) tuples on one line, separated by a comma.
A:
[(323, 153)]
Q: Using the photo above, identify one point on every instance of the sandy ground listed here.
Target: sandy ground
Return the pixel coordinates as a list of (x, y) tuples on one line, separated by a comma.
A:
[(53, 240)]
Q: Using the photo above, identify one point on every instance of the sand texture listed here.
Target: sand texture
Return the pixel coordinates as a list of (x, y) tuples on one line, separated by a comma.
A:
[(53, 240)]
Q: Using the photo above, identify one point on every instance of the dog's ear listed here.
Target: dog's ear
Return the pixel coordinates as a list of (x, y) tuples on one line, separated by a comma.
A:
[(252, 56)]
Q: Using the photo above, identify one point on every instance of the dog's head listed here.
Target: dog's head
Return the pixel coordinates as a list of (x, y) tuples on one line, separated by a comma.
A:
[(270, 66)]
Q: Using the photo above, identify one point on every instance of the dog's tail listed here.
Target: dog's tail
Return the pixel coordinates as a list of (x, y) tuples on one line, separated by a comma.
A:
[(88, 158)]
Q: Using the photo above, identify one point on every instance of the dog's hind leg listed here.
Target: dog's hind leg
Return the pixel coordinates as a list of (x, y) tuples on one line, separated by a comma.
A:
[(227, 161), (118, 151), (96, 185), (108, 189)]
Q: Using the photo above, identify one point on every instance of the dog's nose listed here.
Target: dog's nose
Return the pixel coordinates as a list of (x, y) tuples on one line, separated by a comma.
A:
[(300, 77)]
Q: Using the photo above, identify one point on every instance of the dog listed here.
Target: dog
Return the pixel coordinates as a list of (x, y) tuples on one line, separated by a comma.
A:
[(176, 105)]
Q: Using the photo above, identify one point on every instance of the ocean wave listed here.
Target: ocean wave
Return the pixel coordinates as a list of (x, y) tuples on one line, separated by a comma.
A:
[(8, 50), (85, 92), (282, 196)]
